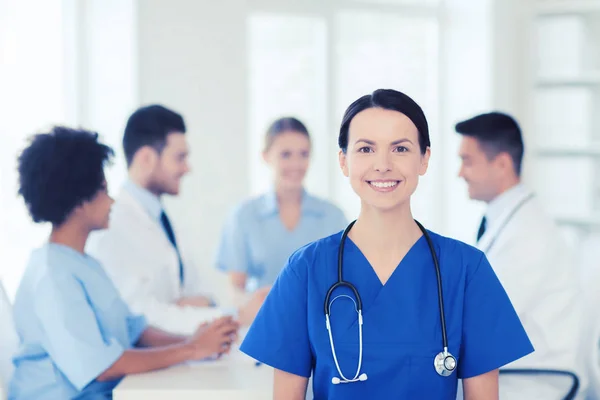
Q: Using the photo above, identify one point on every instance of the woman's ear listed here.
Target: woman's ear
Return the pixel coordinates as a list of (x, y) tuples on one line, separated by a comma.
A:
[(343, 159), (425, 161)]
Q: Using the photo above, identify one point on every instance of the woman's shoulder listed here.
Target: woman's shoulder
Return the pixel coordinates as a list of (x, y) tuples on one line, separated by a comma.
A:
[(313, 253), (251, 206)]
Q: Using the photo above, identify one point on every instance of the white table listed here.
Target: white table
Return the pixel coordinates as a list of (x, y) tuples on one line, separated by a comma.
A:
[(235, 377)]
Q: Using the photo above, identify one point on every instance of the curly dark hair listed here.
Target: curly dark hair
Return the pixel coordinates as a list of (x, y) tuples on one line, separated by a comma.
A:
[(59, 170)]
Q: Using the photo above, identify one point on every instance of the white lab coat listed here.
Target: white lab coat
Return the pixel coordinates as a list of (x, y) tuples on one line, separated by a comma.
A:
[(139, 258), (539, 273)]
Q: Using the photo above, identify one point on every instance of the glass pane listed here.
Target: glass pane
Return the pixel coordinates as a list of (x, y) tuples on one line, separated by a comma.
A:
[(33, 81), (287, 66), (402, 2), (561, 194), (563, 117), (377, 50)]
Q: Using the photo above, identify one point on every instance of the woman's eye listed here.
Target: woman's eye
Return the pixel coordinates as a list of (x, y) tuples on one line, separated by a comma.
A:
[(286, 154), (364, 150), (401, 149)]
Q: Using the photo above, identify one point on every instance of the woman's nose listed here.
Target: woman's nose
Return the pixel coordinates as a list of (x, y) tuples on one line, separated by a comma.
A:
[(383, 162)]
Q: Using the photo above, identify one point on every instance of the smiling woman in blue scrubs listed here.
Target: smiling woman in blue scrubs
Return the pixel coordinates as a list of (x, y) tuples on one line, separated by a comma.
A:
[(77, 336), (262, 232), (387, 256)]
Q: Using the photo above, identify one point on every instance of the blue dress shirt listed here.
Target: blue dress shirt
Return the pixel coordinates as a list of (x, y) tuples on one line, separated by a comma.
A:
[(255, 241), (72, 325)]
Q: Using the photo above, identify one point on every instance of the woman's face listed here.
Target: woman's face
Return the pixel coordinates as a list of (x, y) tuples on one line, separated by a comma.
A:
[(288, 156), (383, 160), (96, 211)]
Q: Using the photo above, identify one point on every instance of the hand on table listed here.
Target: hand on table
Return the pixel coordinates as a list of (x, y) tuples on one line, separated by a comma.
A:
[(213, 338)]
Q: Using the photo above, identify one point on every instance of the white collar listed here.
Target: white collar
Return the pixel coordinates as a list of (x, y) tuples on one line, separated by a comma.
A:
[(499, 207), (150, 202)]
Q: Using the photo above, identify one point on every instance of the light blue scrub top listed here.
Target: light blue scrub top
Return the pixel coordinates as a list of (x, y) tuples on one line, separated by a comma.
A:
[(72, 324), (255, 241), (401, 330)]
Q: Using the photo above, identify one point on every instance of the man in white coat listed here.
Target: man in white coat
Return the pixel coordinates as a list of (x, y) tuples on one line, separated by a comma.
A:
[(140, 250), (528, 253)]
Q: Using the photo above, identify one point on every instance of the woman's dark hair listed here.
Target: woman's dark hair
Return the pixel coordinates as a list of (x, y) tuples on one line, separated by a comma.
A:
[(390, 100), (281, 125), (59, 171)]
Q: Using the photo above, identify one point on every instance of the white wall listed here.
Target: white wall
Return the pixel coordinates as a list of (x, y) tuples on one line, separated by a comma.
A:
[(486, 62), (33, 74), (467, 90), (107, 73), (192, 59)]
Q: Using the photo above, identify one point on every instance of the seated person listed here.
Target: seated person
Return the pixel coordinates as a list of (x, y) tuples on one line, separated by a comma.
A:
[(262, 232), (142, 250), (77, 336)]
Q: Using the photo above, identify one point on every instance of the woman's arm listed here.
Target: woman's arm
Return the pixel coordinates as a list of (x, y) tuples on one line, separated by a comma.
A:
[(144, 360), (209, 340), (481, 387), (154, 337), (238, 280), (288, 386)]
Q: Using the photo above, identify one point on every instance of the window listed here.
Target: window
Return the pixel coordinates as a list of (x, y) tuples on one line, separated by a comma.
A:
[(377, 50), (287, 61), (567, 100), (46, 55), (34, 82)]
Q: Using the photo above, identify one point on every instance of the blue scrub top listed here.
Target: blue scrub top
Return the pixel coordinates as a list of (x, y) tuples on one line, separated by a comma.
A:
[(401, 329), (255, 241), (72, 324)]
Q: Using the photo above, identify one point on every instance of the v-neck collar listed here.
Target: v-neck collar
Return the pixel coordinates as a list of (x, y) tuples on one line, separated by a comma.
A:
[(359, 272), (371, 271)]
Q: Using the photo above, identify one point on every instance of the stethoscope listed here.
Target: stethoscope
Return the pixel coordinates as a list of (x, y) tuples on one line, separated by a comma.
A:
[(510, 216), (444, 363)]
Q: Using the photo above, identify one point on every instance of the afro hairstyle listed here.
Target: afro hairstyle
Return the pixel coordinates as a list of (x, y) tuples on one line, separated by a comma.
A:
[(60, 170)]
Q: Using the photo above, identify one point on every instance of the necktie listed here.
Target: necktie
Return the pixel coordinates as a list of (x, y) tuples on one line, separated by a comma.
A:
[(481, 228), (171, 235)]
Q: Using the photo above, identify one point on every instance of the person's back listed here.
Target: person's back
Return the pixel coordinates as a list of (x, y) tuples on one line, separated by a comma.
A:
[(42, 368)]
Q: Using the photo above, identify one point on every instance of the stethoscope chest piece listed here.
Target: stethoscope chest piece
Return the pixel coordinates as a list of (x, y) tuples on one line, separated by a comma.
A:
[(444, 363)]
